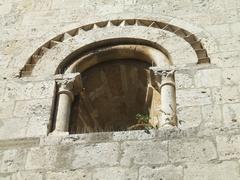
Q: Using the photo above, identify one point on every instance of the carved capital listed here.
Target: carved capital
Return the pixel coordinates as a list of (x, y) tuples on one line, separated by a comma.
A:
[(68, 84), (166, 73), (164, 77)]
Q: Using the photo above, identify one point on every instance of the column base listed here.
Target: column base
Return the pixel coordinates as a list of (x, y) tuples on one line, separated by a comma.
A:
[(58, 133), (168, 126)]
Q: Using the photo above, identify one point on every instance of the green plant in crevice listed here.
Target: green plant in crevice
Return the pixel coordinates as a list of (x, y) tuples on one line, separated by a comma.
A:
[(143, 123), (142, 118)]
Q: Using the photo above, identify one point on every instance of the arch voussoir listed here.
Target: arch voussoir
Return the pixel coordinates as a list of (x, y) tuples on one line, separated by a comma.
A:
[(57, 50)]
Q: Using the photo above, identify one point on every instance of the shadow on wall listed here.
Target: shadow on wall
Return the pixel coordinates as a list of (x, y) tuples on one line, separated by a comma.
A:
[(114, 93)]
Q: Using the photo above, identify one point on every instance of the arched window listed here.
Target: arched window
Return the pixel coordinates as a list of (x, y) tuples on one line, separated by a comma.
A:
[(117, 74), (115, 88)]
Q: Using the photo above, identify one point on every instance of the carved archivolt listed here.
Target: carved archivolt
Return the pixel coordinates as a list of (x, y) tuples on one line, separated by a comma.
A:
[(188, 37), (163, 47)]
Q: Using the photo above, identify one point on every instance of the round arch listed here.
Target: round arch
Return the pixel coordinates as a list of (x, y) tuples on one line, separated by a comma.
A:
[(145, 53), (187, 48)]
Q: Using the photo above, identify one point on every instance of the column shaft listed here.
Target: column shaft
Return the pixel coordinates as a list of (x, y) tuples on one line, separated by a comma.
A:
[(63, 113), (67, 85), (168, 103)]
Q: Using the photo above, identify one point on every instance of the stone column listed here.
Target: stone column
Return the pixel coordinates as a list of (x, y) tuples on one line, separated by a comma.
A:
[(168, 98), (65, 98)]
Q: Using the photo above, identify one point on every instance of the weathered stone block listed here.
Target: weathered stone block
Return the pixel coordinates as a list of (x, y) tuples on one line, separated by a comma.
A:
[(231, 4), (83, 138), (133, 135), (20, 90), (72, 3), (95, 155), (176, 133), (201, 150), (40, 17), (27, 24), (183, 80), (224, 17), (31, 108), (117, 8), (5, 7), (20, 143), (231, 76), (70, 175), (13, 128), (66, 139), (13, 160), (226, 94), (199, 4), (208, 78), (169, 172), (118, 173), (231, 114), (193, 97), (6, 109), (228, 147), (5, 176), (189, 117), (178, 47), (226, 59), (39, 5), (37, 126), (188, 56), (28, 175), (234, 28), (2, 88), (212, 116), (229, 43), (41, 158), (219, 30), (144, 152), (64, 157), (222, 171)]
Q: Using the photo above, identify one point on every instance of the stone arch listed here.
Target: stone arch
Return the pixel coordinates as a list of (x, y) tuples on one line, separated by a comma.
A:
[(125, 76), (121, 48), (111, 87), (188, 48), (175, 46), (143, 53)]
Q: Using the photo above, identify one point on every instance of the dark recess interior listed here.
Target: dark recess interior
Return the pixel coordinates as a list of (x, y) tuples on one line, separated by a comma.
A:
[(114, 93)]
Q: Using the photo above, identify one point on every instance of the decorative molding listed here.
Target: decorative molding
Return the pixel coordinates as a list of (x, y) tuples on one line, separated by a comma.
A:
[(186, 35)]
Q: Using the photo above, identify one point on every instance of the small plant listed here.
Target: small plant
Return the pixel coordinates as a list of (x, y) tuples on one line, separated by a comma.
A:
[(143, 123), (142, 118)]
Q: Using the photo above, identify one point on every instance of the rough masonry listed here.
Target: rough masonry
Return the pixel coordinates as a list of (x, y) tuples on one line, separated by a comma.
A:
[(205, 145)]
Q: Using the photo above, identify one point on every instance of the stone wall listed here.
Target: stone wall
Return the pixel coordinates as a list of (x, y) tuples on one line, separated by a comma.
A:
[(163, 154), (206, 145)]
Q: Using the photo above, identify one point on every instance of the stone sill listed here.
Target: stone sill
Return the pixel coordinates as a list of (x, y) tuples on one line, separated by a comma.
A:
[(158, 134), (101, 137)]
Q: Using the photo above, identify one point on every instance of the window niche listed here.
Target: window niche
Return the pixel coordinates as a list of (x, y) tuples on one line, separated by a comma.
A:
[(116, 88)]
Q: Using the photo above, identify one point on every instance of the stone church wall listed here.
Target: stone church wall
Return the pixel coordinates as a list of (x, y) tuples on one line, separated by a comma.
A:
[(206, 144)]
